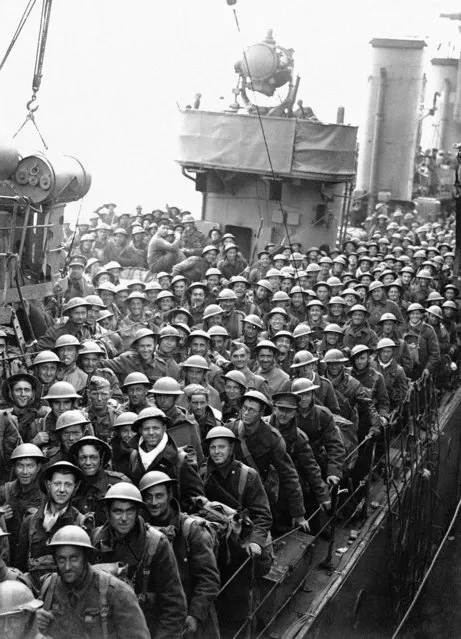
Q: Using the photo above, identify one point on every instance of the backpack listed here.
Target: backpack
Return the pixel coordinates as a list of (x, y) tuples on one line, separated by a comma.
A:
[(104, 578)]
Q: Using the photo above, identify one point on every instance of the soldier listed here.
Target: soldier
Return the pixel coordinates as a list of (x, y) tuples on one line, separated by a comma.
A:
[(67, 348), (318, 424), (252, 329), (59, 483), (388, 327), (18, 609), (357, 330), (154, 449), (182, 426), (92, 456), (100, 412), (167, 341), (238, 486), (195, 370), (76, 310), (23, 493), (89, 360), (377, 303), (45, 368), (232, 319), (263, 448), (283, 419), (136, 386), (152, 568), (267, 367), (81, 601), (240, 358), (304, 366), (140, 357), (193, 548), (423, 343), (397, 383), (374, 384), (205, 415), (61, 397), (24, 392), (192, 241), (122, 434), (71, 426)]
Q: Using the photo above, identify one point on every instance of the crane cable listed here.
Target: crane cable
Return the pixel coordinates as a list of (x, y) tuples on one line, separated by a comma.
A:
[(38, 68), (19, 28)]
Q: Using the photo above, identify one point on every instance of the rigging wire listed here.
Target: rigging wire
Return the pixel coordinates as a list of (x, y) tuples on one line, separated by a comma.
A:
[(19, 28)]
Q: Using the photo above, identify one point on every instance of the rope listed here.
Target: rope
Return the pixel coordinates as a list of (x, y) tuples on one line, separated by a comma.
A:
[(428, 572), (19, 28)]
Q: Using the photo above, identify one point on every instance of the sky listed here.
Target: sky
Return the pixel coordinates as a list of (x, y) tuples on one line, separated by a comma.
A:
[(115, 73)]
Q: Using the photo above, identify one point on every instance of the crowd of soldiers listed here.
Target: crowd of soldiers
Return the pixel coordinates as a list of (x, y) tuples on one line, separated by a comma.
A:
[(181, 408)]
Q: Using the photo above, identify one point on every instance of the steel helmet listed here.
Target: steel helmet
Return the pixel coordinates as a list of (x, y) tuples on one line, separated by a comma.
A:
[(201, 285), (415, 307), (154, 478), (182, 327), (104, 315), (220, 331), (152, 286), (95, 300), (75, 302), (424, 275), (321, 283), (213, 271), (238, 279), (334, 356), (285, 399), (350, 291), (125, 419), (278, 310), (91, 347), (71, 536), (149, 413), (256, 395), (280, 296), (166, 386), (450, 304), (67, 340), (89, 440), (333, 328), (16, 597), (359, 349), (124, 491), (265, 284), (135, 378), (27, 450), (254, 320), (303, 385), (315, 303), (436, 311), (266, 343), (303, 358), (325, 260), (71, 417), (336, 299), (301, 330), (61, 390), (220, 432), (133, 283), (139, 295), (311, 268), (46, 357), (162, 295), (388, 317), (163, 274), (60, 467), (283, 333), (197, 333), (211, 310), (176, 279), (334, 281), (196, 361), (227, 294), (142, 332), (168, 331), (273, 272), (296, 289), (385, 342), (230, 246), (209, 248), (175, 311), (238, 377), (435, 296), (359, 307)]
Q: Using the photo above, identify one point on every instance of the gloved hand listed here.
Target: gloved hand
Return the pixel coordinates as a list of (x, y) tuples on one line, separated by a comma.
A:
[(332, 480), (191, 624), (301, 523), (254, 550)]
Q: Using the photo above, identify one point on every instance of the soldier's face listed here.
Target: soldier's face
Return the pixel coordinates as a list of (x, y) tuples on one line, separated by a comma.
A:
[(165, 402), (266, 358), (227, 304), (22, 393), (61, 488), (195, 375), (240, 357), (198, 404), (125, 434), (284, 414), (137, 394), (89, 460), (152, 431), (386, 354), (158, 499), (361, 361), (70, 435), (199, 346), (122, 516), (220, 451), (26, 470), (78, 315), (67, 355), (71, 563)]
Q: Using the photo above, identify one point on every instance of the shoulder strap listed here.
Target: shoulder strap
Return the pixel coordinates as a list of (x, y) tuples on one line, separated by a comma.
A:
[(242, 480), (245, 450), (104, 581), (48, 589), (152, 543)]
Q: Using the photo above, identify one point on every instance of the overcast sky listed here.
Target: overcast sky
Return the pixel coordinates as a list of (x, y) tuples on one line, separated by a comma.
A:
[(115, 72)]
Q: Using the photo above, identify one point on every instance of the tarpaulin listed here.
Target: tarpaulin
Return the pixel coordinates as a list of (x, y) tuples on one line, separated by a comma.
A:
[(237, 142)]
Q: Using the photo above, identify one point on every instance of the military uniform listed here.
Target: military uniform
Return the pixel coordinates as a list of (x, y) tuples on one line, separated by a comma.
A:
[(78, 611), (276, 379), (89, 498), (184, 430), (22, 500), (153, 573), (397, 383)]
